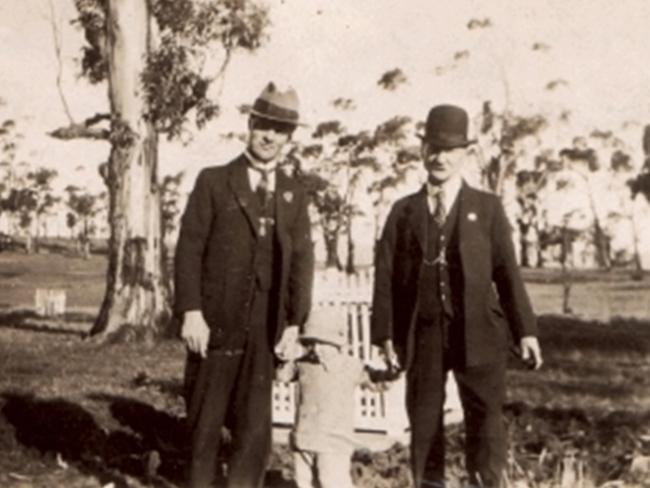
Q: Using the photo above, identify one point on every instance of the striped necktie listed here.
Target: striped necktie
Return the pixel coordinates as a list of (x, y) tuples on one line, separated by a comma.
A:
[(263, 192), (439, 210)]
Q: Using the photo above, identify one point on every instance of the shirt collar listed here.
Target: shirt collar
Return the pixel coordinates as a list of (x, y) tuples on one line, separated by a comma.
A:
[(254, 169), (254, 163), (450, 187)]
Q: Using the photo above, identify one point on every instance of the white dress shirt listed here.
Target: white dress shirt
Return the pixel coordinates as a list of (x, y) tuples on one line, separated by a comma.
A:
[(254, 169), (450, 189)]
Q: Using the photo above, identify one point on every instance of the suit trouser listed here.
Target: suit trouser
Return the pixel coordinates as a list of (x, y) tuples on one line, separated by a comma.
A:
[(233, 388), (482, 394)]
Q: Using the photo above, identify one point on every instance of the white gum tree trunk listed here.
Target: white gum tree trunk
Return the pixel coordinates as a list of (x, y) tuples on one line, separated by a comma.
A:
[(136, 298)]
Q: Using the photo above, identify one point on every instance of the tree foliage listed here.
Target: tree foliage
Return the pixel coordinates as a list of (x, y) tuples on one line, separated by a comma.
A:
[(170, 195), (21, 202), (39, 182), (176, 80), (8, 141), (343, 103), (641, 183), (82, 209), (501, 133), (341, 169), (28, 198), (391, 80), (621, 161), (482, 23)]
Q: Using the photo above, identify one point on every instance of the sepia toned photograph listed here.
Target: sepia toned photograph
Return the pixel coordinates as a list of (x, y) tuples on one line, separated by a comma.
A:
[(324, 244)]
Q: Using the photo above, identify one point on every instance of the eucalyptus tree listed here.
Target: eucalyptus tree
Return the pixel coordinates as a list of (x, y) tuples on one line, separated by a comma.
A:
[(9, 137), (83, 206), (158, 57)]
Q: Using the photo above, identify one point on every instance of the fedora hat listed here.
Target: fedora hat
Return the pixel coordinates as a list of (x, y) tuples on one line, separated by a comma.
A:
[(326, 324), (446, 127), (273, 104)]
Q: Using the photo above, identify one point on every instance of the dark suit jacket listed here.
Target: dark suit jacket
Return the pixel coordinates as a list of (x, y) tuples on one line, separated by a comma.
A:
[(487, 258), (216, 247)]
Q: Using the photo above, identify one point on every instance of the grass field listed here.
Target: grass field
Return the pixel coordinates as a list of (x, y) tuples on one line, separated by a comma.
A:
[(21, 275), (77, 414)]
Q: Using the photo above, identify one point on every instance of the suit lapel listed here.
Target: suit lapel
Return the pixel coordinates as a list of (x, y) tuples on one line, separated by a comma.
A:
[(419, 213), (468, 211), (452, 218), (283, 199), (247, 200)]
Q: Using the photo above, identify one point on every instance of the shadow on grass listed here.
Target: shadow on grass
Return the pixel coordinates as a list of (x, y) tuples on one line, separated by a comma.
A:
[(155, 429), (172, 388), (75, 323), (168, 435), (152, 446), (594, 388), (561, 333), (57, 426)]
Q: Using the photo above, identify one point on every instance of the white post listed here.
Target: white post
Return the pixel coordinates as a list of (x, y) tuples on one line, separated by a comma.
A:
[(49, 302)]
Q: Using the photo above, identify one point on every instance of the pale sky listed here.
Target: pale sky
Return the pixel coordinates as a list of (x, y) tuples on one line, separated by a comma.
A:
[(332, 48)]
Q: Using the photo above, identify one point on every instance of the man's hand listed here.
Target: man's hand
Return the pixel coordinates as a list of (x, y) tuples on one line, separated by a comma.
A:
[(288, 348), (390, 356), (195, 333), (531, 353)]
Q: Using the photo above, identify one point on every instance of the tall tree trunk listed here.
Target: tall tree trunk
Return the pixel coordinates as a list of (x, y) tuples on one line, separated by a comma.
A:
[(136, 300), (492, 173), (29, 243), (567, 281), (638, 266), (601, 241), (331, 241), (350, 266)]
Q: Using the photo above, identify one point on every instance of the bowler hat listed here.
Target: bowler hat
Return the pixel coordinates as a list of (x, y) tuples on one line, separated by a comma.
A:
[(326, 324), (446, 127), (277, 105)]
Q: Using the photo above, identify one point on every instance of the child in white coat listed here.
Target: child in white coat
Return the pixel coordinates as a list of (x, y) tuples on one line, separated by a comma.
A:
[(323, 435)]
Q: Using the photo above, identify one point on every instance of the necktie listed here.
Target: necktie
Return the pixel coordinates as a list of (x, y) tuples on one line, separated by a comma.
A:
[(264, 195), (263, 188), (439, 211)]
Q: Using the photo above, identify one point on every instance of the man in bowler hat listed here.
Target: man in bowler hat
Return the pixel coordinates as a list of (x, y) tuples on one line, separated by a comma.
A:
[(243, 275), (447, 295)]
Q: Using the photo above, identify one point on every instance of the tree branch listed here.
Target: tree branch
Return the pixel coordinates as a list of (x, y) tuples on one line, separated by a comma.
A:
[(84, 130), (57, 51), (220, 75)]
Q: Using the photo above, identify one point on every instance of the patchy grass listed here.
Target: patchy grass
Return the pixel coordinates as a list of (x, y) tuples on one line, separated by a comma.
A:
[(595, 293), (21, 274), (88, 403), (590, 365), (77, 414), (592, 397)]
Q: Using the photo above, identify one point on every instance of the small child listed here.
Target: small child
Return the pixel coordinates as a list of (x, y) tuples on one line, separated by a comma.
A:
[(323, 435)]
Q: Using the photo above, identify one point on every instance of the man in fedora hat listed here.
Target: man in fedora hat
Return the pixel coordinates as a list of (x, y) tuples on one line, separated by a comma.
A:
[(447, 294), (243, 275)]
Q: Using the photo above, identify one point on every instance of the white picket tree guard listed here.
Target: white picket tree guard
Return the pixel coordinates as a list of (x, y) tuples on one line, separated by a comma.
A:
[(49, 302), (379, 412)]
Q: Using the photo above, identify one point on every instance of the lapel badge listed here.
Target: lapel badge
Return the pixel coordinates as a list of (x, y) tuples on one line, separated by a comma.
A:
[(288, 196), (471, 217)]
